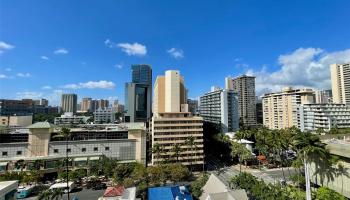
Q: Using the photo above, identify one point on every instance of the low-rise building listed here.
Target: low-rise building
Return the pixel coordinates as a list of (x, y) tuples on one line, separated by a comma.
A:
[(104, 115), (323, 116), (69, 118), (43, 143), (16, 121), (8, 190), (169, 193)]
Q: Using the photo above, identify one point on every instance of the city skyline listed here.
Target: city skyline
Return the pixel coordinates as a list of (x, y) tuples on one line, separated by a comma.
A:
[(93, 57)]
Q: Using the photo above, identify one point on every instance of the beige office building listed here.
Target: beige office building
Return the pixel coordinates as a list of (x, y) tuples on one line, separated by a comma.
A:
[(280, 108), (245, 87), (86, 104), (173, 124), (340, 76)]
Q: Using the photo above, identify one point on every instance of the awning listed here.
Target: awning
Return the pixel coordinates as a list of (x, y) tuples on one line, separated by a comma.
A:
[(80, 159), (3, 164), (94, 158)]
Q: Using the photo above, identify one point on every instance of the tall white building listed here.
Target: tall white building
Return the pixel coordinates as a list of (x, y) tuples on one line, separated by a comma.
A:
[(220, 107), (340, 75), (104, 115), (323, 116), (280, 108), (245, 87)]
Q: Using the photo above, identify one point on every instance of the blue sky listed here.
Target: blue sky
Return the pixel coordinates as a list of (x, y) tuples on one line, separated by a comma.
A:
[(87, 47)]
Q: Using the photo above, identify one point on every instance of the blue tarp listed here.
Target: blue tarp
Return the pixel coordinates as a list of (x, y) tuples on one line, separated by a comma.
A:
[(168, 193)]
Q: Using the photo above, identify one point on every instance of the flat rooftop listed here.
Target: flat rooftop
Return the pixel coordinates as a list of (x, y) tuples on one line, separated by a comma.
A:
[(338, 147)]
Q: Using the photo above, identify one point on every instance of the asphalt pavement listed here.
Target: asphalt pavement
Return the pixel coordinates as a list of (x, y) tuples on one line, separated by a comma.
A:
[(85, 194)]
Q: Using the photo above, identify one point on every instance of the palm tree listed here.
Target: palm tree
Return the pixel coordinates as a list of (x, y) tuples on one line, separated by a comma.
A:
[(20, 164), (240, 151), (307, 144), (44, 195), (177, 151), (157, 149), (57, 194), (190, 141)]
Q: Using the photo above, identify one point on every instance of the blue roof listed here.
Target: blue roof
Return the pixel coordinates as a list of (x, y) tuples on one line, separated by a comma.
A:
[(168, 193)]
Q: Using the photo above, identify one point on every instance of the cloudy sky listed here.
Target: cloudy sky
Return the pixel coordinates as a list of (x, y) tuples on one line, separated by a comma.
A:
[(87, 47)]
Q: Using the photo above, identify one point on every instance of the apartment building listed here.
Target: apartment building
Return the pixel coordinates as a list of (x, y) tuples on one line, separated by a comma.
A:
[(280, 108), (16, 121), (69, 103), (323, 116), (86, 144), (220, 107), (323, 96), (69, 118), (172, 123), (340, 76), (104, 115), (245, 87)]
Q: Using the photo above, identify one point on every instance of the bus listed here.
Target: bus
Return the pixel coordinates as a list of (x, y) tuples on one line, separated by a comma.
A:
[(24, 191), (63, 186)]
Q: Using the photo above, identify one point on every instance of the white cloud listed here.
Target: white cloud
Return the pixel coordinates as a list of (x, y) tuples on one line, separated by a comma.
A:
[(8, 69), (3, 76), (305, 67), (44, 57), (46, 87), (118, 66), (29, 95), (5, 46), (91, 85), (61, 51), (24, 75), (176, 53), (135, 49)]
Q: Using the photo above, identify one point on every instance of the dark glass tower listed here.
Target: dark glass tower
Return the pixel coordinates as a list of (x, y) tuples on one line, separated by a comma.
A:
[(138, 94)]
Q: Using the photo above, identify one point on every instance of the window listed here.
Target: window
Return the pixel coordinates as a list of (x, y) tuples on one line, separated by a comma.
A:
[(95, 148), (107, 148), (55, 150), (19, 152), (69, 150), (83, 150), (4, 153)]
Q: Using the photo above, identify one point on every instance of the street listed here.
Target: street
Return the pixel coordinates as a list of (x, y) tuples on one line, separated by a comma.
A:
[(85, 194)]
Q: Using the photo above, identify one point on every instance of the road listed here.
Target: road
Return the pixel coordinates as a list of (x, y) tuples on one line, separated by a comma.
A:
[(85, 194), (225, 173)]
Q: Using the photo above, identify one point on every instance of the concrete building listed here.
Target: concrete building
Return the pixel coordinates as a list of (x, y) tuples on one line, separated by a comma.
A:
[(44, 102), (104, 115), (16, 121), (333, 176), (86, 104), (220, 107), (86, 144), (280, 108), (69, 118), (323, 116), (259, 112), (340, 76), (323, 96), (8, 190), (138, 94), (245, 87), (16, 107), (173, 124), (69, 103), (193, 106)]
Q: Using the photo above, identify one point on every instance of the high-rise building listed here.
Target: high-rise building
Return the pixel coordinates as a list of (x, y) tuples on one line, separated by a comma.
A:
[(323, 96), (69, 103), (193, 106), (259, 111), (245, 87), (138, 94), (16, 107), (280, 109), (340, 75), (172, 123), (323, 116), (44, 102), (220, 107), (103, 103), (86, 104)]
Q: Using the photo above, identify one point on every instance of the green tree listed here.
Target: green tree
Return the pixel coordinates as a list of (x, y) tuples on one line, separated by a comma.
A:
[(157, 150), (197, 185), (324, 193), (240, 151), (178, 172), (176, 149), (190, 142)]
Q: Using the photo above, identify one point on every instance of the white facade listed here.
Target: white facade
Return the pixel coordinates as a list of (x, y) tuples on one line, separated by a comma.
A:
[(220, 107), (105, 115), (69, 118), (324, 116)]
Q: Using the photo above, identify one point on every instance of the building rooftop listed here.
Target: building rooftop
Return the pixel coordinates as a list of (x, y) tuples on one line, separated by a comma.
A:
[(41, 125), (338, 147), (169, 193), (5, 184)]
